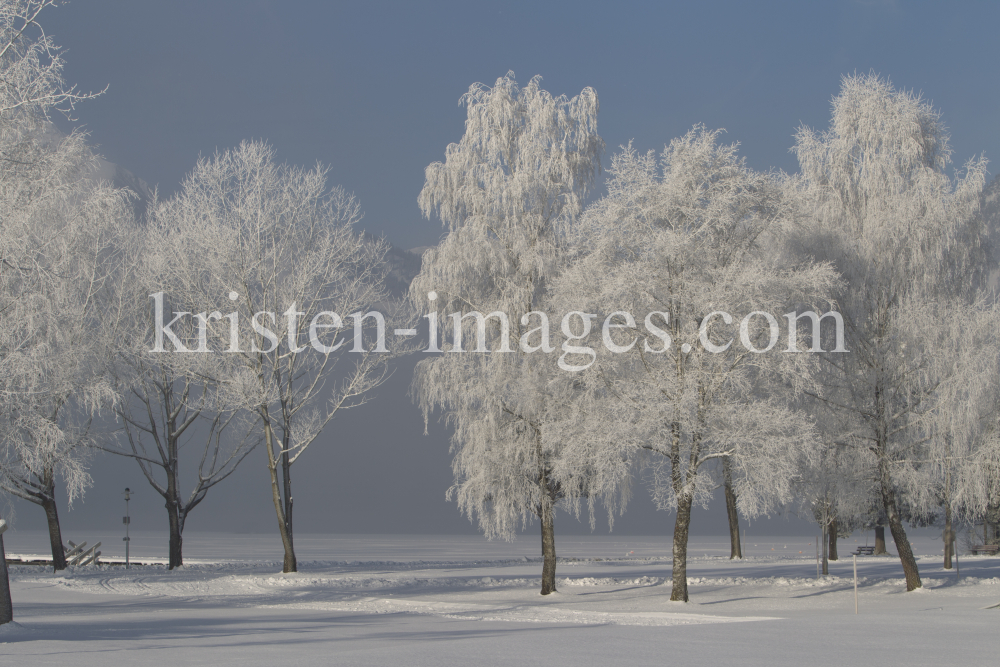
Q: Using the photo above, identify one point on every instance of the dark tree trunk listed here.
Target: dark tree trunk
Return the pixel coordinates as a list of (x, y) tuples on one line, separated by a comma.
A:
[(290, 562), (949, 538), (548, 549), (735, 550), (833, 539), (910, 570), (679, 590), (288, 500), (6, 607), (826, 542), (909, 563), (880, 541), (55, 535), (175, 542), (176, 532)]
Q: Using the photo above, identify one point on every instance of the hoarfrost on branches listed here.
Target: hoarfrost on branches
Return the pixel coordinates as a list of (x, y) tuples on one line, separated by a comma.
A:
[(171, 403), (675, 241), (906, 237), (54, 234), (505, 192), (274, 239)]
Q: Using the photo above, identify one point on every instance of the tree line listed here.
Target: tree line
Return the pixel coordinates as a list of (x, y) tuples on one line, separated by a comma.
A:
[(876, 226), (890, 419)]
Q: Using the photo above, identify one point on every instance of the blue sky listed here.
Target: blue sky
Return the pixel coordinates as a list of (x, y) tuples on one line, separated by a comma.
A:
[(371, 90)]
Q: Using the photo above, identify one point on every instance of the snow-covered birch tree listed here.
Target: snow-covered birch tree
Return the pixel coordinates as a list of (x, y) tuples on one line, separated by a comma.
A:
[(959, 472), (57, 296), (504, 193), (48, 255), (675, 246), (905, 236), (277, 243), (968, 469)]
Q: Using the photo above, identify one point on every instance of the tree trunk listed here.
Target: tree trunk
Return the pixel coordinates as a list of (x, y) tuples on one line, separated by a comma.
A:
[(910, 570), (880, 541), (949, 538), (884, 471), (679, 590), (826, 542), (548, 548), (286, 485), (833, 539), (176, 540), (6, 608), (55, 535), (290, 563), (735, 550)]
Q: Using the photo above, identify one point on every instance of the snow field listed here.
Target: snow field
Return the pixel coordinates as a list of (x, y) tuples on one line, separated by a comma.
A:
[(444, 610)]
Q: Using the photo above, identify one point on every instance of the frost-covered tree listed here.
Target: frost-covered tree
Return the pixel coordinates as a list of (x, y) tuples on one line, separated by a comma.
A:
[(60, 322), (677, 383), (967, 468), (32, 85), (879, 204), (504, 192), (296, 282), (963, 447), (172, 421), (834, 486), (46, 252)]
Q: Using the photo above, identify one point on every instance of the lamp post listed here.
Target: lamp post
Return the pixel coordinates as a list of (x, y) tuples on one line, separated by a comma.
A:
[(126, 520)]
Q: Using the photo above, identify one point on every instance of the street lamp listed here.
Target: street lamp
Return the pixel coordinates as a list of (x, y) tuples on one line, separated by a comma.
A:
[(126, 520)]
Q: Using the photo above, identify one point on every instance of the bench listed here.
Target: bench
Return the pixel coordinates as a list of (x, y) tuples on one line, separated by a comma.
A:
[(985, 549), (76, 555), (864, 551)]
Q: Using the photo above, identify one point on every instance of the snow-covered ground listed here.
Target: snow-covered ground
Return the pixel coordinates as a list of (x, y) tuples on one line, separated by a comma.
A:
[(407, 600)]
